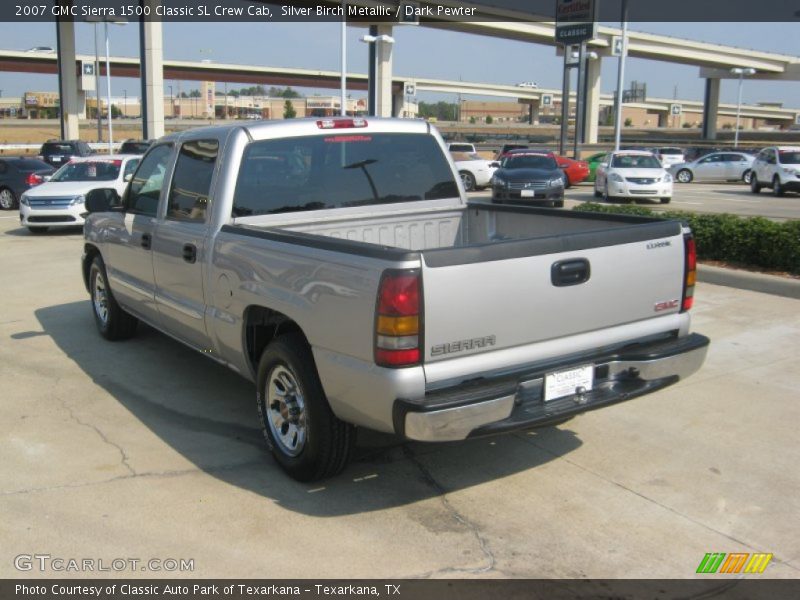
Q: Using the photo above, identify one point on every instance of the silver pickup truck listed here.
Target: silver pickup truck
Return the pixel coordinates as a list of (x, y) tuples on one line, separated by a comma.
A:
[(337, 264)]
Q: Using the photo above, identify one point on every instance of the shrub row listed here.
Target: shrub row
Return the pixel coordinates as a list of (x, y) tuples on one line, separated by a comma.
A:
[(749, 241)]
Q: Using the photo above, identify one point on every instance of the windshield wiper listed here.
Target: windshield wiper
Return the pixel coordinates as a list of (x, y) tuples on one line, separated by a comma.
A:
[(362, 164)]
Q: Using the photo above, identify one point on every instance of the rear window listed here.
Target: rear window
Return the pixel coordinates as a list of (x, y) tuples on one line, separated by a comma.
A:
[(461, 148), (52, 148), (31, 165), (789, 157), (670, 151), (339, 170), (134, 147)]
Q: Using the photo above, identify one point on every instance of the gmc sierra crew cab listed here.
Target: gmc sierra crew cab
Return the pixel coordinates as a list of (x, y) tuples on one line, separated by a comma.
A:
[(337, 264)]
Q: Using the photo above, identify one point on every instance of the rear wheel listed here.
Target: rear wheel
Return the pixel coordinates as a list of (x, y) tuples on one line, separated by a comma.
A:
[(306, 439), (468, 179), (7, 199), (112, 321), (777, 188), (665, 200), (684, 176), (755, 187), (598, 193), (747, 176)]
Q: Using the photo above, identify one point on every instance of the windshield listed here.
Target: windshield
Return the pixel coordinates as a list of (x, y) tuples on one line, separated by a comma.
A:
[(339, 170), (670, 151), (636, 161), (530, 161), (790, 157), (461, 148), (96, 170)]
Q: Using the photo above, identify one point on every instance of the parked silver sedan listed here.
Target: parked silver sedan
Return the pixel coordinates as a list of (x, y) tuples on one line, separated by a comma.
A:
[(717, 166)]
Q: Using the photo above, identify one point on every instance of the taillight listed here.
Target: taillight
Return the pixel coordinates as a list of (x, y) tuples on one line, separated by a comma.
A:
[(690, 271), (341, 123), (34, 179), (397, 319)]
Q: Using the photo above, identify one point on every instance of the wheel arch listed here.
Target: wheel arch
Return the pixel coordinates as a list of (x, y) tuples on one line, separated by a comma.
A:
[(260, 326), (89, 253)]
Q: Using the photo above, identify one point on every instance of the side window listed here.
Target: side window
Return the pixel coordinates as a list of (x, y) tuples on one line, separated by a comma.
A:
[(712, 158), (145, 187), (3, 167), (130, 167), (191, 182)]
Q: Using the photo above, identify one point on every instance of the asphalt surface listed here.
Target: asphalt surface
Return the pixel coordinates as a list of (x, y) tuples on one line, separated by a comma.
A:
[(145, 449)]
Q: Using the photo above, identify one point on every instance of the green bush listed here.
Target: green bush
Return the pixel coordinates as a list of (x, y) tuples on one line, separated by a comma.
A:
[(750, 241)]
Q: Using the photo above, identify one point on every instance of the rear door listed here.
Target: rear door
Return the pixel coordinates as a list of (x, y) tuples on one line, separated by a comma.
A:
[(710, 168), (179, 244)]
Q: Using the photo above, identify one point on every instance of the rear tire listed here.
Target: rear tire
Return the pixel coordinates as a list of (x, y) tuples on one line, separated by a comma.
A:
[(306, 439), (112, 321), (468, 179), (747, 176), (665, 200), (598, 193), (755, 187), (7, 199), (777, 188), (684, 176)]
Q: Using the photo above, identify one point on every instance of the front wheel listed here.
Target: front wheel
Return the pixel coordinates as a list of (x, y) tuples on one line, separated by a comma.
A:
[(7, 199), (684, 176), (112, 322), (306, 439), (755, 187), (665, 200), (468, 179)]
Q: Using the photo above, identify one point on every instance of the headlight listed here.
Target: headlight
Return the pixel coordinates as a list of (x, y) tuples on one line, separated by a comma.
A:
[(498, 182), (24, 200), (558, 182), (615, 177), (78, 200), (667, 178)]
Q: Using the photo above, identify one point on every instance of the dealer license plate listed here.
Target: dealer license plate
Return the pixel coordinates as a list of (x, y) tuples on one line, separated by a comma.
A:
[(564, 383), (526, 193)]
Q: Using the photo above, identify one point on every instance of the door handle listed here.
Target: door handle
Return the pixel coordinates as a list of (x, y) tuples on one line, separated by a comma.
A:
[(189, 253), (570, 272), (146, 240)]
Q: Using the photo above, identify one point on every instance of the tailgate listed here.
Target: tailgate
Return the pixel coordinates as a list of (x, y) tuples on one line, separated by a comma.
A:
[(516, 294)]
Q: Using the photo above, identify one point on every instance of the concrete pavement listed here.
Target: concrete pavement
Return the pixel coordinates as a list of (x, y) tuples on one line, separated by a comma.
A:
[(145, 449)]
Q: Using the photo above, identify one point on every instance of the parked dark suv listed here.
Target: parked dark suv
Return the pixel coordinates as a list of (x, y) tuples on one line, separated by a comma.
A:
[(59, 152), (135, 146)]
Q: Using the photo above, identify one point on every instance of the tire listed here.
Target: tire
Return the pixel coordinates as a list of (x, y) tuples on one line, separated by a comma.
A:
[(606, 197), (37, 229), (306, 439), (558, 204), (7, 199), (598, 193), (747, 176), (112, 322), (468, 179), (665, 200), (755, 187), (777, 188), (684, 176)]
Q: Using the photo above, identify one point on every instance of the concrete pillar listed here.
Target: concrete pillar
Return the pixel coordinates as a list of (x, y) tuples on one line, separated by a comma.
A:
[(151, 55), (383, 75), (67, 79), (710, 109), (591, 103)]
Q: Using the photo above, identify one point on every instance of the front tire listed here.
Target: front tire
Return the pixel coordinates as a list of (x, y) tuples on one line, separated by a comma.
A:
[(665, 200), (306, 439), (755, 187), (684, 176), (7, 199), (112, 321)]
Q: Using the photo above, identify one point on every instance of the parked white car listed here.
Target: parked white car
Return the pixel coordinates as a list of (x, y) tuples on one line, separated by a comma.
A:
[(461, 147), (717, 166), (632, 174), (476, 172), (669, 155), (59, 202), (778, 168), (528, 84)]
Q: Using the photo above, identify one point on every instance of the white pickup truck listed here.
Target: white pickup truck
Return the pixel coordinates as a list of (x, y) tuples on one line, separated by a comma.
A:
[(337, 264)]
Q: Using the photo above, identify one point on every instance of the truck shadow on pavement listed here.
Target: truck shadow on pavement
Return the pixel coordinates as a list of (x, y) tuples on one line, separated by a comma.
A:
[(207, 414)]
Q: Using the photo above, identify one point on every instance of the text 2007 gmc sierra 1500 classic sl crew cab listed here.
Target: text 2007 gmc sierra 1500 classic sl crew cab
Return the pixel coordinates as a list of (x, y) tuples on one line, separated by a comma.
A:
[(337, 264)]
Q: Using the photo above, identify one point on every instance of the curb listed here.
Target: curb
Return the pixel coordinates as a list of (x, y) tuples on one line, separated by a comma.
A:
[(756, 282)]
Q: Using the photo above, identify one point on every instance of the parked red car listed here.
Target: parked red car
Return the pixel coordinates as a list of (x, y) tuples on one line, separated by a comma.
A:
[(576, 170)]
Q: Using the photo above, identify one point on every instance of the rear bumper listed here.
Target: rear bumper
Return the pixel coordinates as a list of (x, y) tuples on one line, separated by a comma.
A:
[(511, 403)]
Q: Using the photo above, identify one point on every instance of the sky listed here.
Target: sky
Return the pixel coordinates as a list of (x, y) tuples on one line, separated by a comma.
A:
[(418, 51)]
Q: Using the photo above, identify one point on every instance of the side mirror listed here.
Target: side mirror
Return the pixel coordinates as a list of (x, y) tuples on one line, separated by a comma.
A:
[(494, 164), (102, 200), (604, 165), (46, 177), (127, 177)]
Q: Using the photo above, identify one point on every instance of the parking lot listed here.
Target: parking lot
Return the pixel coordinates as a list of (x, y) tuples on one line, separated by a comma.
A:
[(147, 450)]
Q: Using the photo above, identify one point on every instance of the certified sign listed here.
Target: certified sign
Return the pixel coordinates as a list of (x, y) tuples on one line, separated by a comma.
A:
[(675, 109), (576, 20), (410, 89), (547, 99)]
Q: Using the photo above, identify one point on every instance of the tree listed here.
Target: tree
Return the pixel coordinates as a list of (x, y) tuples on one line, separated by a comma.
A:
[(472, 120), (628, 122), (489, 119), (115, 111), (194, 94), (288, 110), (289, 93)]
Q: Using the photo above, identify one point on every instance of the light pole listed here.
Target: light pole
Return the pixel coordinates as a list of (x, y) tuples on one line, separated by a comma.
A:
[(376, 39), (171, 102), (108, 81), (741, 73), (343, 109), (97, 85), (124, 103), (621, 78)]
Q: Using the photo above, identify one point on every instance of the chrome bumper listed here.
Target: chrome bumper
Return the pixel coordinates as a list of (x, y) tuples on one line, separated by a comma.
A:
[(492, 407)]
